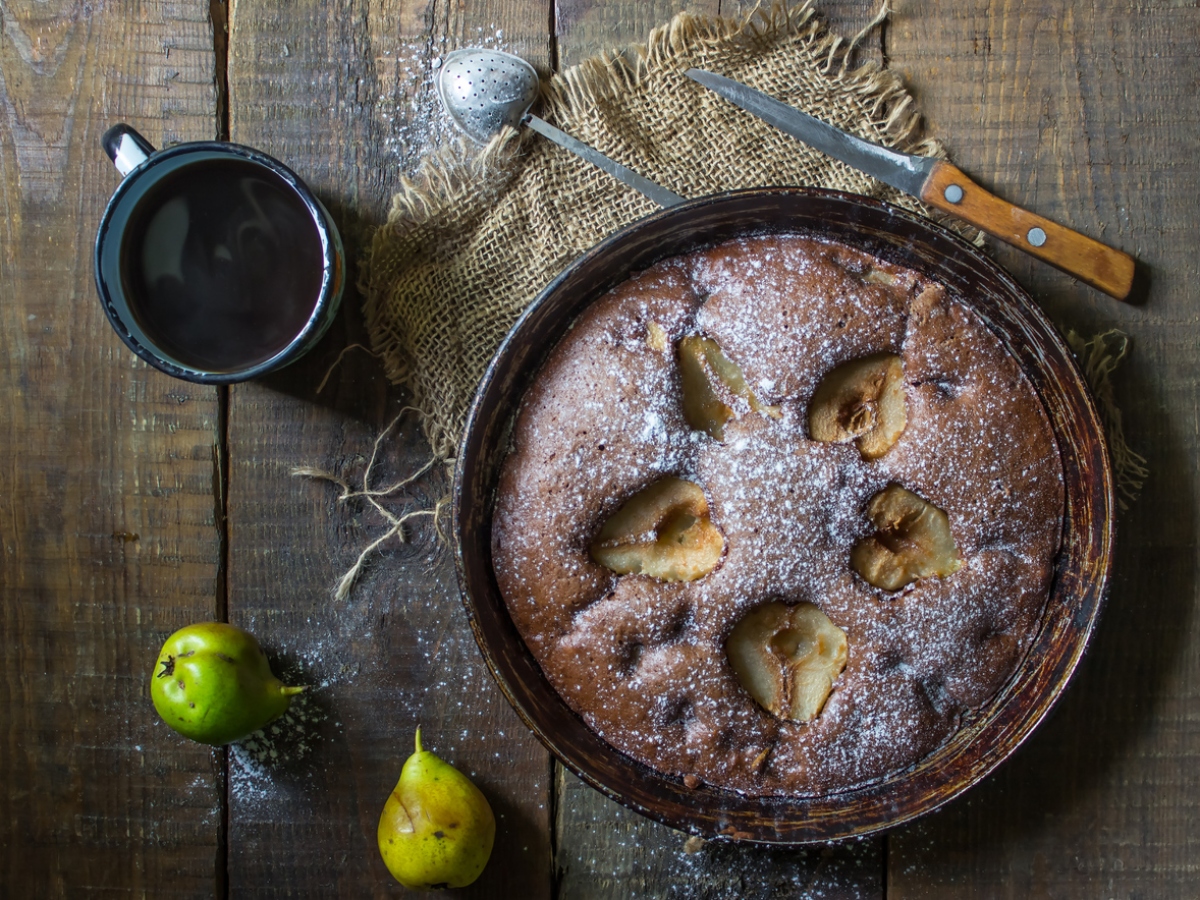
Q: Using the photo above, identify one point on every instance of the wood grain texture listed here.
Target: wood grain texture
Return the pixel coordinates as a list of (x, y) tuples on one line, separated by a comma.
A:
[(1077, 113), (107, 523), (584, 28), (343, 92), (606, 852)]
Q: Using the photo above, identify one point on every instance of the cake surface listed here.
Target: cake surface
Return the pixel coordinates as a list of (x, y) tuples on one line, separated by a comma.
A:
[(644, 661)]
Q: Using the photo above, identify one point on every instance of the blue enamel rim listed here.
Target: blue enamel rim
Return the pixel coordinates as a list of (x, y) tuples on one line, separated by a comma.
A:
[(106, 249)]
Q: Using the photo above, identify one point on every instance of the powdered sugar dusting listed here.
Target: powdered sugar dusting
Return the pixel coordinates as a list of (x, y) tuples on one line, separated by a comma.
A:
[(644, 662)]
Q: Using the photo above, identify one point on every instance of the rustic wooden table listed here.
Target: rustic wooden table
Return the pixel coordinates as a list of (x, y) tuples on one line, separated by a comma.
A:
[(132, 504)]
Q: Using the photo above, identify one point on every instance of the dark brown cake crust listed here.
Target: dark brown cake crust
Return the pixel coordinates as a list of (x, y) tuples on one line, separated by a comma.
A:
[(643, 662)]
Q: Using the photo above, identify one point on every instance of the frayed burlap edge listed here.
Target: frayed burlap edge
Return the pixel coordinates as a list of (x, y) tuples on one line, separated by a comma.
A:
[(880, 91), (1099, 356)]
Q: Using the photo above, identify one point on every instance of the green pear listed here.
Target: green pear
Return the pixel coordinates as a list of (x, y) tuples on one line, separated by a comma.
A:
[(212, 683), (436, 830)]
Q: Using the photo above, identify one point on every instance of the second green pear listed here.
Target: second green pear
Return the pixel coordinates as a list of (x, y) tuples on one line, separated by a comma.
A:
[(437, 829)]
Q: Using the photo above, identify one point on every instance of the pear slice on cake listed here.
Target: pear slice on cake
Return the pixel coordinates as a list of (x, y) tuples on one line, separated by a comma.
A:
[(787, 658), (713, 387), (861, 401), (663, 531), (912, 541)]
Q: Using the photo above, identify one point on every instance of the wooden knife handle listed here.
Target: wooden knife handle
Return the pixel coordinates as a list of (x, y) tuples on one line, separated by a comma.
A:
[(1104, 268)]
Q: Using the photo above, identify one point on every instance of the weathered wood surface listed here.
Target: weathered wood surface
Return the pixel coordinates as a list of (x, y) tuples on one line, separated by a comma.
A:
[(344, 93), (606, 852), (1080, 113), (107, 519), (1085, 115)]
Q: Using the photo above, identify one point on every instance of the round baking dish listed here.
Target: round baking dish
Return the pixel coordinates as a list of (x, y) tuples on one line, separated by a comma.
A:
[(987, 736)]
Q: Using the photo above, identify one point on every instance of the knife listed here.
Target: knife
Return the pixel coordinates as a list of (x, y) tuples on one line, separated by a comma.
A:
[(940, 184)]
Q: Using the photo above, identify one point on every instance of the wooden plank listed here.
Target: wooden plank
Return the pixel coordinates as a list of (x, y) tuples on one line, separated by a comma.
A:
[(584, 28), (606, 852), (603, 850), (108, 527), (343, 92), (1077, 113), (845, 17)]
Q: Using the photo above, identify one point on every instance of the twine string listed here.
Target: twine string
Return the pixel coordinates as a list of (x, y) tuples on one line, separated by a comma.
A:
[(396, 521), (337, 362)]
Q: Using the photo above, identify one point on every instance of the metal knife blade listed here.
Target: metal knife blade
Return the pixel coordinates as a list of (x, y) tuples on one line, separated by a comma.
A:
[(900, 170), (941, 184)]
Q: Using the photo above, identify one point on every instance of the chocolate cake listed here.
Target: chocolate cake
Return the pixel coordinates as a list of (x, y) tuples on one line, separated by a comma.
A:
[(777, 515)]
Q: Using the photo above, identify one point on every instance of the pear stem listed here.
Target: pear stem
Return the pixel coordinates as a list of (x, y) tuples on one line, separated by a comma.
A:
[(290, 691), (419, 750)]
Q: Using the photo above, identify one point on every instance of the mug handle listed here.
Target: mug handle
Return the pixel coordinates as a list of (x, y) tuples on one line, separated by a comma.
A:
[(126, 148)]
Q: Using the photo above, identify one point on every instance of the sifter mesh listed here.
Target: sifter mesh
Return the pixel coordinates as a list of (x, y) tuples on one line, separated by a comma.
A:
[(484, 90)]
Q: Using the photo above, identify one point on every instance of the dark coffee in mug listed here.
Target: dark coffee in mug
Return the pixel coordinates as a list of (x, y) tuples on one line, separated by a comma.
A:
[(222, 264), (214, 262)]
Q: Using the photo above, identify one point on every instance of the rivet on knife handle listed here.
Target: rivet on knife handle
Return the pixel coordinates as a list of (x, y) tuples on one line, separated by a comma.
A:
[(1104, 268)]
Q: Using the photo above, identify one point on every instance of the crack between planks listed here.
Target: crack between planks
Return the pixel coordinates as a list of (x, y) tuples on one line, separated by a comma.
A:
[(221, 503), (556, 871), (221, 516), (218, 12), (219, 15)]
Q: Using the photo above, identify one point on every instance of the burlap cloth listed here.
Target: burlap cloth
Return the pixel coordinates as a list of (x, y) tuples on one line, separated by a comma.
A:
[(477, 234)]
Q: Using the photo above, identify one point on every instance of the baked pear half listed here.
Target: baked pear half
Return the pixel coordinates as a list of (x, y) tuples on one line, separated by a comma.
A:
[(912, 541), (788, 658), (862, 401), (663, 531)]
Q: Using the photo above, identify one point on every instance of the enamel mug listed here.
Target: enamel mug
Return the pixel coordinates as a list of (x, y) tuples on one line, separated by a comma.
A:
[(214, 262)]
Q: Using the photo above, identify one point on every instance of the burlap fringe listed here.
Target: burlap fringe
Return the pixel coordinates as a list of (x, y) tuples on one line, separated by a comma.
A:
[(1099, 356), (448, 175), (373, 496), (880, 91)]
